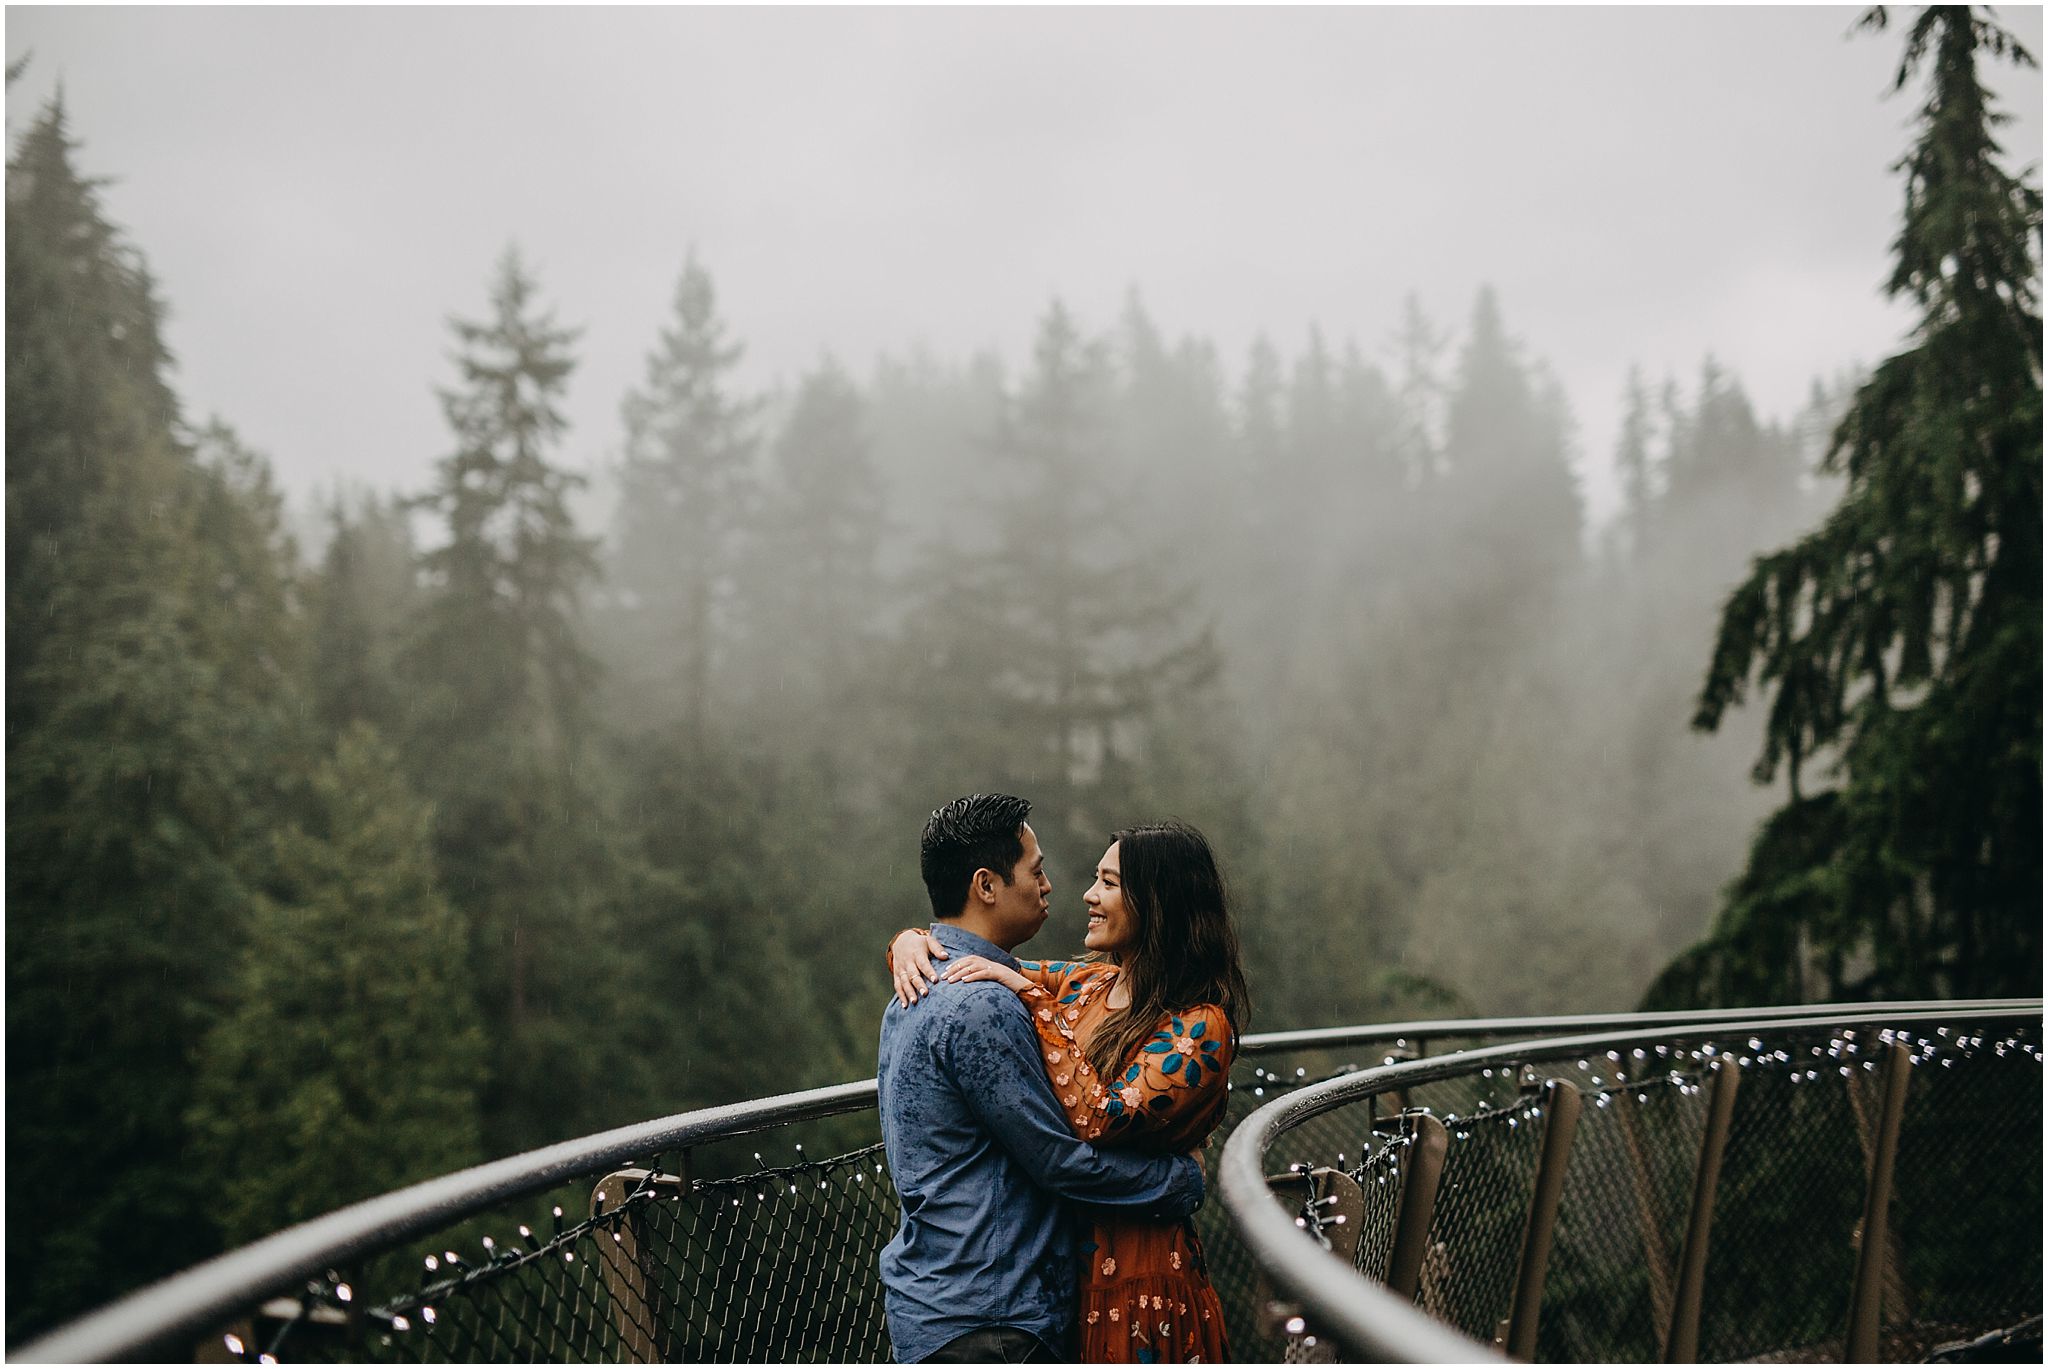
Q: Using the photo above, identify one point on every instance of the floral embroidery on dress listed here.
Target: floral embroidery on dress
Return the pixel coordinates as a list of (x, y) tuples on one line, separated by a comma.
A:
[(1172, 1091)]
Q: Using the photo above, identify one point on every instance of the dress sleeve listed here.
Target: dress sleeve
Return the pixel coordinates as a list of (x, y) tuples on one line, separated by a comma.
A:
[(1056, 977), (1173, 1090), (1056, 985), (1050, 975), (989, 1056)]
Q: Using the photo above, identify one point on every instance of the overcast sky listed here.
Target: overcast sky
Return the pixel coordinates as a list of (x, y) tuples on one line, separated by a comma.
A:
[(319, 189)]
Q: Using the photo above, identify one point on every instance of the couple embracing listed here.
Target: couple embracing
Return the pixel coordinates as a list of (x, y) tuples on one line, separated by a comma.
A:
[(1043, 1119)]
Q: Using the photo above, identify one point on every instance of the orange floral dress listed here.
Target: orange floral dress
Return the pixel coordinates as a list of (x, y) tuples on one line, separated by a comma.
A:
[(1145, 1291)]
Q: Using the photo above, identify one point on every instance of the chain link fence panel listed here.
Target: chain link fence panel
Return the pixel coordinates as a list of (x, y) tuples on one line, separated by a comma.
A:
[(715, 1257)]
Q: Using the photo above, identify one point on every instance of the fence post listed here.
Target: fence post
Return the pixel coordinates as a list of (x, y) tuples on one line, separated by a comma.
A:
[(1682, 1341), (1560, 1123), (1343, 1230), (635, 1300), (1896, 1295), (1418, 1205), (1866, 1297), (1655, 1254)]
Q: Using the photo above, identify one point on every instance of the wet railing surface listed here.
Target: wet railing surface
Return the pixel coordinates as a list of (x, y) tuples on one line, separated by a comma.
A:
[(716, 1236), (1673, 1193)]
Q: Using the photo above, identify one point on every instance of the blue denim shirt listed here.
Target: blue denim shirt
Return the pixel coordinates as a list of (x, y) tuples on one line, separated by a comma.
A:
[(983, 1158)]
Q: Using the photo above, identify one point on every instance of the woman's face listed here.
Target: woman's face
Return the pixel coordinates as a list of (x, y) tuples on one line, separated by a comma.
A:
[(1112, 926)]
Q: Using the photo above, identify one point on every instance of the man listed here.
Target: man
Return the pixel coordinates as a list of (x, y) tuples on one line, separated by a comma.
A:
[(982, 1268)]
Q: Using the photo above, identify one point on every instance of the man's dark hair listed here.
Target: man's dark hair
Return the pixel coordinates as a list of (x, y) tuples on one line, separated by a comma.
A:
[(979, 832)]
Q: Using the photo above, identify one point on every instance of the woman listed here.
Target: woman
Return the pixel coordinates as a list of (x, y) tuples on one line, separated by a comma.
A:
[(1137, 1039)]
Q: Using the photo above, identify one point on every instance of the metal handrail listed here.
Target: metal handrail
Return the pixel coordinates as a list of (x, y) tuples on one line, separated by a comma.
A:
[(196, 1300), (1367, 1319), (1332, 1037)]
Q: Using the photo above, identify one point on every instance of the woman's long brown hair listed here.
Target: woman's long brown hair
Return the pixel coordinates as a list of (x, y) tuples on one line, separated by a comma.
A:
[(1186, 949)]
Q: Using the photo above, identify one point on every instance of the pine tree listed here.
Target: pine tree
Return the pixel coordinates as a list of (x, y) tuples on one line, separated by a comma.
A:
[(501, 688), (360, 601), (816, 576), (1900, 642), (350, 1061), (1047, 642), (151, 706), (686, 493), (1628, 538)]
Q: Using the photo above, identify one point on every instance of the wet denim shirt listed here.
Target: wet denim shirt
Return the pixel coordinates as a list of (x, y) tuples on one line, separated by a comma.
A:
[(986, 1165)]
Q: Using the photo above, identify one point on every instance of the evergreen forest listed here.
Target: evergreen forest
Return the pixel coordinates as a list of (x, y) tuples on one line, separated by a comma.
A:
[(345, 851)]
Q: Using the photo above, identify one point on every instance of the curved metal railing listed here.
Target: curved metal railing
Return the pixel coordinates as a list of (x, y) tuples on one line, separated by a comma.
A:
[(674, 1265), (1632, 1221)]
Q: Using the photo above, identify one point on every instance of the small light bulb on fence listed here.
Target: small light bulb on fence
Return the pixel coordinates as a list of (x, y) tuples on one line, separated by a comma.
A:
[(427, 1315), (400, 1324), (1295, 1326), (490, 1244), (344, 1292), (432, 1263), (233, 1343), (526, 1231)]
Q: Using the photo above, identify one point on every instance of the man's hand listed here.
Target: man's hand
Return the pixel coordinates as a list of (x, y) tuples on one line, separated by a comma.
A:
[(974, 967), (911, 955)]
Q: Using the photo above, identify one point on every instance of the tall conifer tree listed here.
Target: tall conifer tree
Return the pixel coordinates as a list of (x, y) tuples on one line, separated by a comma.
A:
[(350, 1061), (152, 655), (686, 492), (501, 684), (1900, 642)]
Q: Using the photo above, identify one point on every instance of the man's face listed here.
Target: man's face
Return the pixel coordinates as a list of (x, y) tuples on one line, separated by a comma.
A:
[(1021, 905)]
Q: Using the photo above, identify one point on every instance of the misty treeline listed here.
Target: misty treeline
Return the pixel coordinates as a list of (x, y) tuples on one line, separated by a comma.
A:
[(482, 827)]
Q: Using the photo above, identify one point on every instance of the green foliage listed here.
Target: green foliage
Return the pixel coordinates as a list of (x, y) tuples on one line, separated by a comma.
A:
[(361, 600), (501, 686), (632, 847), (685, 495), (350, 1059), (1901, 639), (151, 740)]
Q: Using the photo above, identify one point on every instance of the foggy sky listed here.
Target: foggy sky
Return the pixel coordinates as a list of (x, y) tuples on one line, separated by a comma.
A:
[(319, 190)]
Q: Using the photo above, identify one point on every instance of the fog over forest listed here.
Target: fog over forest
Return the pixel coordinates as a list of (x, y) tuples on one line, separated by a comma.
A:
[(629, 468)]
